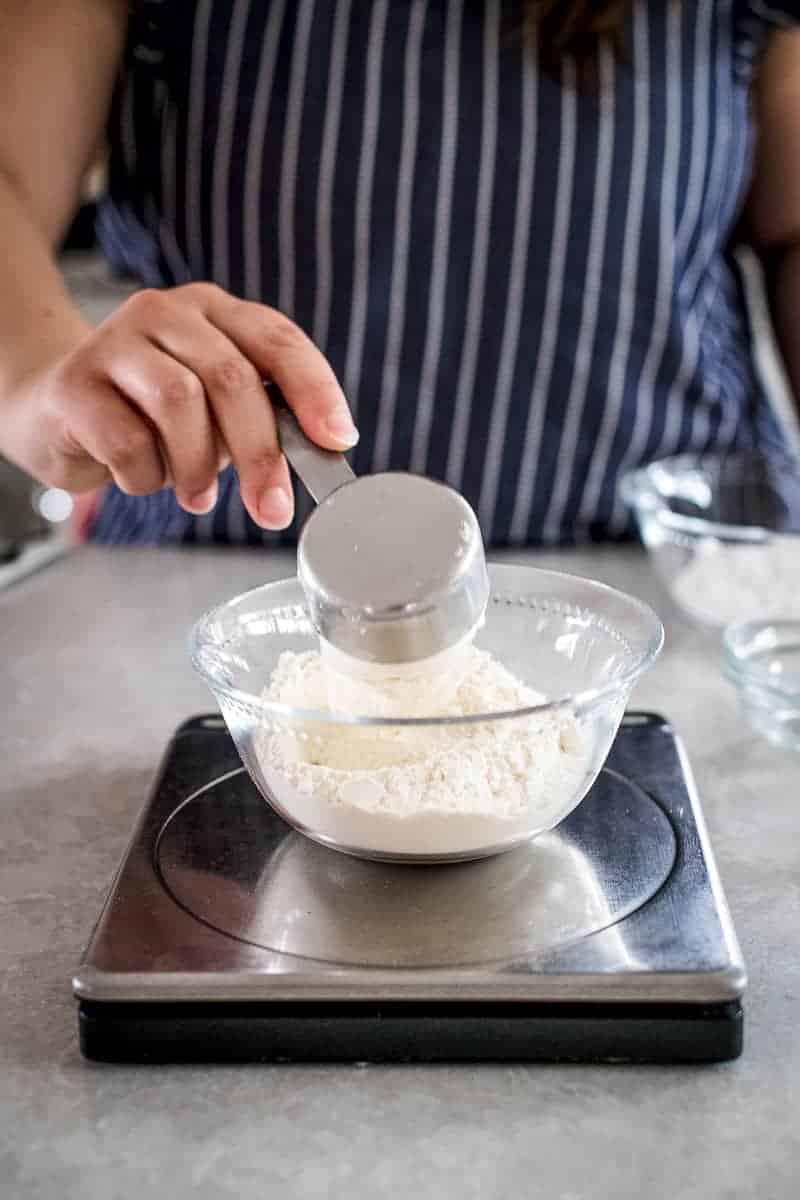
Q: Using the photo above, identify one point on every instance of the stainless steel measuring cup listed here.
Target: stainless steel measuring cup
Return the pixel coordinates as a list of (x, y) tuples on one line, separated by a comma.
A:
[(392, 564)]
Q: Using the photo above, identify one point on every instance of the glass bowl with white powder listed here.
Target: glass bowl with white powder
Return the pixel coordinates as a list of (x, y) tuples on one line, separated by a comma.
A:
[(460, 756), (723, 532)]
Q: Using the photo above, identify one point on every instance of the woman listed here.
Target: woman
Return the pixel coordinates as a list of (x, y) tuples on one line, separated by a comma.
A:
[(505, 229)]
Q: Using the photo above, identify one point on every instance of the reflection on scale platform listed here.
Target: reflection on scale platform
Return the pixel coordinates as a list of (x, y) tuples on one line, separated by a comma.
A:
[(227, 859)]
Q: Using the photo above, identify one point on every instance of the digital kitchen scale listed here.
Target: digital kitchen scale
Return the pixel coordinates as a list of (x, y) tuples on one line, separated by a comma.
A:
[(229, 937)]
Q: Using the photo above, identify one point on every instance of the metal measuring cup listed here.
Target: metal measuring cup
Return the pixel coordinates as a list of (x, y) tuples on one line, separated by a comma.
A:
[(392, 564)]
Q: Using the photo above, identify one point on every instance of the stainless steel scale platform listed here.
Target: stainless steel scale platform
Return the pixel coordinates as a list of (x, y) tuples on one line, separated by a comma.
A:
[(229, 937)]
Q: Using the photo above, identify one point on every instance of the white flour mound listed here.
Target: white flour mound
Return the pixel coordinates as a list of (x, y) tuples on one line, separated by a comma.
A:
[(726, 583), (436, 790)]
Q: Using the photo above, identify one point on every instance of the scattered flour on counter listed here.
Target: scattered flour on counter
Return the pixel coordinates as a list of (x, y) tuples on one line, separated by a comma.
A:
[(737, 583), (448, 789)]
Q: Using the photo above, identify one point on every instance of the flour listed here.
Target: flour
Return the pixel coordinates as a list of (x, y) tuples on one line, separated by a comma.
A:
[(408, 689), (725, 583), (429, 789)]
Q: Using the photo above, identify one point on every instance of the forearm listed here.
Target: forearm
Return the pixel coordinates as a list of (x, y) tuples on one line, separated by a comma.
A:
[(58, 62), (38, 321), (784, 298)]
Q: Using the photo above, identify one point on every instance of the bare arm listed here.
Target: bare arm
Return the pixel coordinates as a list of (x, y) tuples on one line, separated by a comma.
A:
[(168, 389), (774, 206), (58, 60)]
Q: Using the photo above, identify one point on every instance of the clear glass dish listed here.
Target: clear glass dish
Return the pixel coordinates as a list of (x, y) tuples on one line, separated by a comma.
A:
[(578, 645), (723, 532), (762, 661)]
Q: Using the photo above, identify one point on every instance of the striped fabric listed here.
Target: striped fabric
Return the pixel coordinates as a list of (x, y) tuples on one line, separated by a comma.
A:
[(525, 286)]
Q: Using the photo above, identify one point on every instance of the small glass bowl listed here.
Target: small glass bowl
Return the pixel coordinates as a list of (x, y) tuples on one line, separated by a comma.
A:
[(762, 661), (580, 645), (723, 532)]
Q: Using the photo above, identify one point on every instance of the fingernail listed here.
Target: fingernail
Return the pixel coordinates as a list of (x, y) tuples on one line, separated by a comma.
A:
[(342, 427), (203, 502), (275, 508)]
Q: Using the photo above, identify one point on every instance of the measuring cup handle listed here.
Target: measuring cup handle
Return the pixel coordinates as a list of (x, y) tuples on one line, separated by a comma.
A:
[(322, 471)]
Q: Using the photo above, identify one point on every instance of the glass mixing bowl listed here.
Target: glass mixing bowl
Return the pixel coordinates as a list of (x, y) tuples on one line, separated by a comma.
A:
[(433, 787), (762, 661), (723, 532)]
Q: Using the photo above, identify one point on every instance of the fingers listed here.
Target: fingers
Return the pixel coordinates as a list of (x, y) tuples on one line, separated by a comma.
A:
[(105, 437), (241, 412), (173, 399), (280, 351)]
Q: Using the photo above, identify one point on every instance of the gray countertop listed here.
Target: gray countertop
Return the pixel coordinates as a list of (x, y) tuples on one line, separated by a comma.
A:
[(95, 677)]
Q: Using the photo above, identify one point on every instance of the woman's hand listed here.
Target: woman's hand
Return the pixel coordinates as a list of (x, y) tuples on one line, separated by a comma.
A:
[(168, 390)]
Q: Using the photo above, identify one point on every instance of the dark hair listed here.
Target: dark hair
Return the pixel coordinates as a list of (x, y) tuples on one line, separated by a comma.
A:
[(574, 27)]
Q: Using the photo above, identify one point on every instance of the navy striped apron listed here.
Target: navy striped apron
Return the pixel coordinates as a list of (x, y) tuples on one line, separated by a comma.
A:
[(525, 287)]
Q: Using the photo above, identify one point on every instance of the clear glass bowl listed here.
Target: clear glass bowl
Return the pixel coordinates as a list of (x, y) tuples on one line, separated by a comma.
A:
[(723, 532), (455, 787), (762, 661)]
